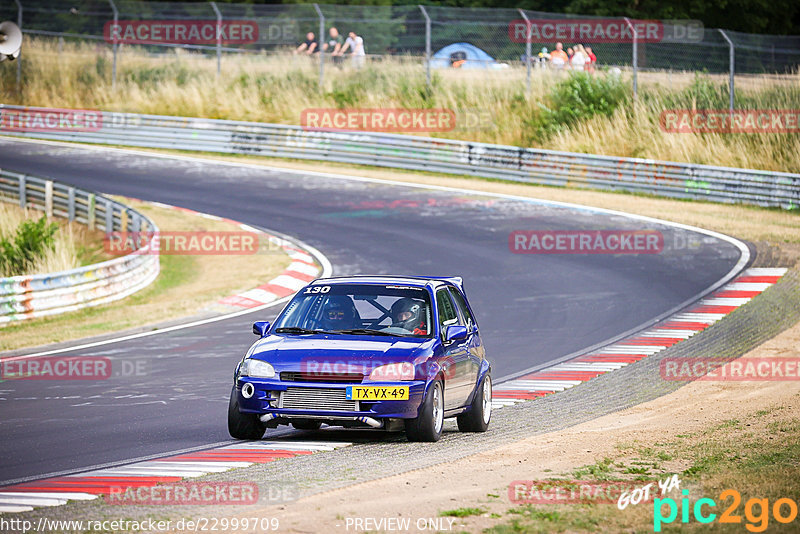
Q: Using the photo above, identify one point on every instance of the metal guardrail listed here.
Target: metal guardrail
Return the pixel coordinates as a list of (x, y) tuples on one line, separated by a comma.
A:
[(28, 296), (532, 165)]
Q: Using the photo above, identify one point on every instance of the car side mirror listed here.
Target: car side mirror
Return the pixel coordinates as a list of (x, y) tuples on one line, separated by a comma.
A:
[(455, 332), (260, 328)]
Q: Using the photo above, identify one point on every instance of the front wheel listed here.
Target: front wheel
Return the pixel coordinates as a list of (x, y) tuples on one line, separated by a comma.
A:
[(243, 425), (480, 411), (428, 425)]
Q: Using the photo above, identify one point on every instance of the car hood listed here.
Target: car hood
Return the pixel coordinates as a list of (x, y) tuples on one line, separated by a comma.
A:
[(298, 353)]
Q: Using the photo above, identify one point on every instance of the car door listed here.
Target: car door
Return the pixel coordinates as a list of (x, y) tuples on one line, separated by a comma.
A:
[(474, 343), (455, 360)]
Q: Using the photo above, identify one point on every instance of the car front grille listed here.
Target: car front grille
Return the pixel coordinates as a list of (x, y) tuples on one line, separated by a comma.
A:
[(325, 399), (344, 378)]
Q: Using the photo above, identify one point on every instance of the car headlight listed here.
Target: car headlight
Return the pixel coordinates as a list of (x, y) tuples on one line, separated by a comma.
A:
[(256, 369), (393, 372)]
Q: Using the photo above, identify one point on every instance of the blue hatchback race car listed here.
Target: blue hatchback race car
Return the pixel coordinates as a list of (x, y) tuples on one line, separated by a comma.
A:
[(366, 351)]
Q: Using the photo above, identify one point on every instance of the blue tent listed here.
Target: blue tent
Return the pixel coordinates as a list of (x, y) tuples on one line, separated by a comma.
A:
[(474, 57)]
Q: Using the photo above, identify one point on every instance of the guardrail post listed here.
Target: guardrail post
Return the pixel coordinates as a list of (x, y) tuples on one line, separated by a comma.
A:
[(123, 220), (90, 205), (71, 204), (23, 200), (109, 216), (48, 198), (427, 47), (19, 59), (527, 49), (321, 51), (635, 59), (219, 37), (731, 60), (114, 48)]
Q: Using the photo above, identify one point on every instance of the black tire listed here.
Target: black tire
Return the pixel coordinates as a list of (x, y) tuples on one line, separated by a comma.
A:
[(480, 412), (243, 425), (428, 425), (306, 424)]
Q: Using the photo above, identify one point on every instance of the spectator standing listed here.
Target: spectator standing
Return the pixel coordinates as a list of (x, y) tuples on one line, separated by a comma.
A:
[(592, 59), (579, 58), (334, 45), (559, 58), (309, 46), (356, 44)]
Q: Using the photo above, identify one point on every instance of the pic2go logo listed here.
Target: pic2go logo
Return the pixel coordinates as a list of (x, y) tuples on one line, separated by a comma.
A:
[(756, 511)]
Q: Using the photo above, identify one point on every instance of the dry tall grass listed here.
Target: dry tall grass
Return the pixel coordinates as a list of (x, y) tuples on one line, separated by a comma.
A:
[(74, 244), (278, 88)]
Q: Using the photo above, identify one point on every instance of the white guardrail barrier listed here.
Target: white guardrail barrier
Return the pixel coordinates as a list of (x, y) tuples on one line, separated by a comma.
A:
[(548, 167), (27, 296)]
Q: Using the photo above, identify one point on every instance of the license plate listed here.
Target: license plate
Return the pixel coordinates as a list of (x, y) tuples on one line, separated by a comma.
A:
[(377, 393)]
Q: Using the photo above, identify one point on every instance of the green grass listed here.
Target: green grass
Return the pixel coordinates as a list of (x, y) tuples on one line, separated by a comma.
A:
[(755, 457), (463, 512)]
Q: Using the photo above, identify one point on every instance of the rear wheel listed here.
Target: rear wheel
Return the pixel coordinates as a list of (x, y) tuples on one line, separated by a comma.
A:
[(480, 412), (428, 425), (243, 425)]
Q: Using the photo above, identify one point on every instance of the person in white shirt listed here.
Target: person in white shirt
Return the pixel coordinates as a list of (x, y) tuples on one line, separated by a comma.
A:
[(580, 58), (356, 44)]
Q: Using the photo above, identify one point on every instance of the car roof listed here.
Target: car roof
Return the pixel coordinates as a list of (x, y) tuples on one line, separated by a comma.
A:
[(414, 281)]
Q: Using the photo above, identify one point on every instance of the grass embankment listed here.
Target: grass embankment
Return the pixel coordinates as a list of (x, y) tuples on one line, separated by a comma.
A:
[(584, 115), (29, 248), (186, 286), (755, 455)]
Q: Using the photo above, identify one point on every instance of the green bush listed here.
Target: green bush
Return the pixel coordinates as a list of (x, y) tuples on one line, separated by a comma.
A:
[(30, 241), (578, 98)]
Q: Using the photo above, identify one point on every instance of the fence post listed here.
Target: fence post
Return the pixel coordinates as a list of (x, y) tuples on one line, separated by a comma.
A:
[(635, 59), (48, 198), (427, 46), (527, 49), (23, 198), (19, 59), (71, 204), (114, 48), (321, 51), (219, 36), (109, 217), (731, 67), (90, 204)]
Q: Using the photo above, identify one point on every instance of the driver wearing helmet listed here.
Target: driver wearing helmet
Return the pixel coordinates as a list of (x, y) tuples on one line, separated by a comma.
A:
[(339, 313), (410, 314)]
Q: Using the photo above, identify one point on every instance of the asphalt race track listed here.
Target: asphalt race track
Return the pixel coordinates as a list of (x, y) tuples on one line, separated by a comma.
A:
[(531, 308)]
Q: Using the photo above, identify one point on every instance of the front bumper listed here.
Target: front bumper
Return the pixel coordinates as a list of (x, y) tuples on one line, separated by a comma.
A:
[(324, 400)]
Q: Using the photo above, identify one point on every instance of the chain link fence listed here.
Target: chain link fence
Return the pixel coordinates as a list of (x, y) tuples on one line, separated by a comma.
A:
[(435, 37)]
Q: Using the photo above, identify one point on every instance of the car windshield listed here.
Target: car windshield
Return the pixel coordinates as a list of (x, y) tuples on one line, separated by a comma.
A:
[(358, 309)]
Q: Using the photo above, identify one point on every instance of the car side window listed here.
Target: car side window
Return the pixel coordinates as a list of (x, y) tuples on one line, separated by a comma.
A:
[(447, 312), (462, 307)]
